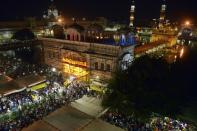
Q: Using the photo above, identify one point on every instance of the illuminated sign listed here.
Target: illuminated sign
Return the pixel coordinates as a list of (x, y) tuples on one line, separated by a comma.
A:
[(74, 70), (74, 62)]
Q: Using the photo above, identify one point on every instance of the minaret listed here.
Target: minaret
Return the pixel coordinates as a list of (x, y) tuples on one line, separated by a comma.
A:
[(52, 14), (132, 14), (162, 14), (52, 11)]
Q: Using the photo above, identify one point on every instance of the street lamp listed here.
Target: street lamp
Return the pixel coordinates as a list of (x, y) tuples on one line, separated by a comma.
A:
[(53, 69), (60, 20), (187, 23)]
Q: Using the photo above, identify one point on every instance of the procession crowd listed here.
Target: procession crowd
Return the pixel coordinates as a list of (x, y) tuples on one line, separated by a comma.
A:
[(8, 65), (131, 123), (22, 109), (29, 106), (19, 110), (16, 68)]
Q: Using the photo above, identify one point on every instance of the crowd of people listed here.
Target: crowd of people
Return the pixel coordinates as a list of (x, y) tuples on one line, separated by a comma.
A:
[(130, 123), (21, 109), (27, 69), (14, 101), (34, 105), (18, 110), (8, 64), (168, 124), (16, 68)]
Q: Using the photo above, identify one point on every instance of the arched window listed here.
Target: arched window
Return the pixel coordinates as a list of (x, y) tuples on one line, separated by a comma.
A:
[(102, 66), (82, 38), (49, 55), (54, 54), (77, 37), (108, 67), (68, 37), (96, 66)]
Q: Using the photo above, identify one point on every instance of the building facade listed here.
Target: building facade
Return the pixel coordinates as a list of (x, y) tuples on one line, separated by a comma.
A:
[(84, 60), (167, 36)]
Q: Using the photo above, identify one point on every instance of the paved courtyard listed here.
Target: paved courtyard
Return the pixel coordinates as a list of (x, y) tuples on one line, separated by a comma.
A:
[(80, 115), (89, 105)]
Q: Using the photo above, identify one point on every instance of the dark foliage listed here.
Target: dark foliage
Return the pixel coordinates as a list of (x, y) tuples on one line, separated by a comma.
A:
[(153, 86), (58, 32), (24, 34), (29, 54)]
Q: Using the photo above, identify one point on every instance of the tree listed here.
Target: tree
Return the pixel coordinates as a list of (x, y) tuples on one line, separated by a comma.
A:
[(31, 22), (58, 32), (24, 34), (149, 86)]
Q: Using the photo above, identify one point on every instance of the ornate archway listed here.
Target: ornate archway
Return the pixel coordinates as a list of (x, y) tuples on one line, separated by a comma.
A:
[(74, 64), (126, 60), (185, 32)]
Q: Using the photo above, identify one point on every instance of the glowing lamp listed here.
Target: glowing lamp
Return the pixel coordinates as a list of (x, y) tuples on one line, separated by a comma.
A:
[(53, 69), (187, 23), (181, 52), (59, 20)]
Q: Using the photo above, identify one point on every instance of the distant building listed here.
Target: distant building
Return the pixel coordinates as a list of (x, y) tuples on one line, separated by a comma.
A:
[(167, 35), (75, 32), (188, 35), (163, 30), (144, 34), (8, 28)]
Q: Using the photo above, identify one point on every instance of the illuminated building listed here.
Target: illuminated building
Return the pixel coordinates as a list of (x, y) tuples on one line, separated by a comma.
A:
[(144, 35), (168, 37), (161, 31), (165, 31), (75, 32), (84, 60), (74, 64), (132, 14), (188, 35)]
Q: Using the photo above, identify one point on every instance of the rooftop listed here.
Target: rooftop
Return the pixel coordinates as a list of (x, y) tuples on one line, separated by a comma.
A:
[(9, 86), (30, 80)]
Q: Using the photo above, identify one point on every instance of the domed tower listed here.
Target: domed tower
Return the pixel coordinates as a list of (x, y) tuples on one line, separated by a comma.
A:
[(52, 11), (162, 14), (132, 14), (52, 14)]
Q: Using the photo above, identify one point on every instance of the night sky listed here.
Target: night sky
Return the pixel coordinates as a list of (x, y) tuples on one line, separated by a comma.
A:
[(112, 9)]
